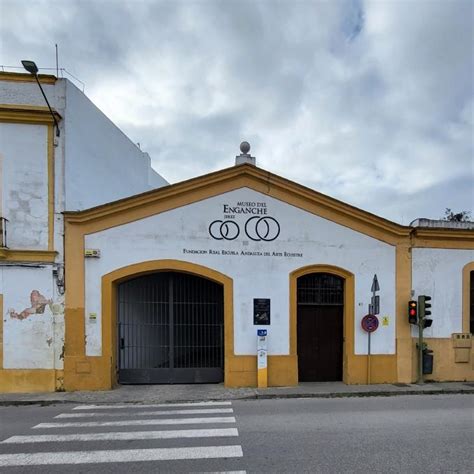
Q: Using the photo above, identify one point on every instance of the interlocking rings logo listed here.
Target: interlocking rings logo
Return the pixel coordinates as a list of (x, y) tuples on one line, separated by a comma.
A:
[(256, 228), (224, 230), (262, 228)]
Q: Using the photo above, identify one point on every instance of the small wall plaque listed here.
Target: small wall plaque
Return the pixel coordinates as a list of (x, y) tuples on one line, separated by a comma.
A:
[(92, 253), (261, 311)]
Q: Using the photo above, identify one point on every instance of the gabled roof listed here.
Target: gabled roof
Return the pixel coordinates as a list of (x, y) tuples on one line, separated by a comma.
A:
[(245, 175)]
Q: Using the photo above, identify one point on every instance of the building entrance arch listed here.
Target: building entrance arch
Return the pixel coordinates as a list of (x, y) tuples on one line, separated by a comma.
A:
[(116, 284), (322, 322)]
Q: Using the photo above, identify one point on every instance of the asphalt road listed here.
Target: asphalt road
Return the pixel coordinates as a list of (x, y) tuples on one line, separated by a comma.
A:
[(394, 434)]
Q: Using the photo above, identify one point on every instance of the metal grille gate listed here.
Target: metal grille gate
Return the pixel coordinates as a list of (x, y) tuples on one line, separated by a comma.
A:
[(171, 329)]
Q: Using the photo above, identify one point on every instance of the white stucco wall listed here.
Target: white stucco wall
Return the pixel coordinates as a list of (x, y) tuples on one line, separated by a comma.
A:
[(24, 184), (170, 234), (32, 339), (438, 273), (28, 93), (102, 164)]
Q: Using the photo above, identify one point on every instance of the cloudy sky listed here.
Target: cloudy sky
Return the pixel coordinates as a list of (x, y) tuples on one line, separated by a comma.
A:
[(370, 102)]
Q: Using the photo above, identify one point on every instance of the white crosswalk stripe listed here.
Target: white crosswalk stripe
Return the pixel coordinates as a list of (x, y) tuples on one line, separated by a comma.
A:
[(203, 411), (207, 443), (122, 455), (123, 436), (153, 405), (157, 421)]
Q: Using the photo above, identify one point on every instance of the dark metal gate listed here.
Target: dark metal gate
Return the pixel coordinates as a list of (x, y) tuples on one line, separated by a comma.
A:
[(171, 329), (320, 301)]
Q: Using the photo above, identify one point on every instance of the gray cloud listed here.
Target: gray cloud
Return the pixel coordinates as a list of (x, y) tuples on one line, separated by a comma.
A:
[(369, 102)]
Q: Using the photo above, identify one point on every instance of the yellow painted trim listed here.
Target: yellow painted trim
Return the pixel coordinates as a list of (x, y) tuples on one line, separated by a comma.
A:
[(1, 332), (29, 380), (22, 77), (51, 187), (466, 295), (101, 371), (12, 255), (27, 114), (443, 238), (35, 115), (403, 284)]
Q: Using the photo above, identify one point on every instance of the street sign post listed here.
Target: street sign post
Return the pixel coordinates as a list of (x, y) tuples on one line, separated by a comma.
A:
[(369, 324), (262, 373)]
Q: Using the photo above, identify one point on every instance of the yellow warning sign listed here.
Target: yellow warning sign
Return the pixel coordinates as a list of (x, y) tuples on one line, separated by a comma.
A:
[(385, 320)]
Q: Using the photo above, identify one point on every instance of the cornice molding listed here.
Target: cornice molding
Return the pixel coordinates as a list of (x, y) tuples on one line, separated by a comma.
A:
[(30, 114), (12, 255), (21, 77), (443, 238)]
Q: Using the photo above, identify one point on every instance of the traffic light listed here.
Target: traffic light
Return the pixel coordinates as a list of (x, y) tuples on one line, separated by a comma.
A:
[(425, 310), (412, 312)]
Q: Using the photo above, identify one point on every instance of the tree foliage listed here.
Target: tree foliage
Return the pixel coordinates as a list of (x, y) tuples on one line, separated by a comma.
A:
[(462, 216)]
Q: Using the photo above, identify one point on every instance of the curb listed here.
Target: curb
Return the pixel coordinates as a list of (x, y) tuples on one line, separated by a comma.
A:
[(257, 396), (366, 394)]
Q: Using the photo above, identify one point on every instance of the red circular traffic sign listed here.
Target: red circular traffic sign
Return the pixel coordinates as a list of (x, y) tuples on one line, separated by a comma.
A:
[(369, 323)]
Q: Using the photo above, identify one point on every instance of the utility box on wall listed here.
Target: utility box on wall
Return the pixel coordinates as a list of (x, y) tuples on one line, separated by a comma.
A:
[(462, 347)]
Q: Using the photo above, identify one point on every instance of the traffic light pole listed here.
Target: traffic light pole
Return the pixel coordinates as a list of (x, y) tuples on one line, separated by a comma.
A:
[(420, 351), (424, 321)]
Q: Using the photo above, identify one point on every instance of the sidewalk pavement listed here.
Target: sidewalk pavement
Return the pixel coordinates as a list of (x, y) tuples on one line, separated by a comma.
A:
[(140, 394)]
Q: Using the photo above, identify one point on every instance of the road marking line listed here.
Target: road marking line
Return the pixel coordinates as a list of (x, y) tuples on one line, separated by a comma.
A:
[(169, 421), (154, 405), (123, 455), (200, 411), (222, 472), (124, 436)]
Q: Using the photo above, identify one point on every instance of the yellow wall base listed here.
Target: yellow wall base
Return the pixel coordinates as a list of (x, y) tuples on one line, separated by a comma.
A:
[(405, 356), (241, 371), (383, 369), (96, 373), (262, 378), (30, 380), (87, 373), (445, 369)]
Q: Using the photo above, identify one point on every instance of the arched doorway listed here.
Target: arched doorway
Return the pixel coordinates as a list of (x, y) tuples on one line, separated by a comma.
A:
[(320, 316), (170, 329)]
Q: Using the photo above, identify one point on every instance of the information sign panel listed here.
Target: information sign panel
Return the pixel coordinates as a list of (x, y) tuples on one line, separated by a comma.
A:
[(261, 311)]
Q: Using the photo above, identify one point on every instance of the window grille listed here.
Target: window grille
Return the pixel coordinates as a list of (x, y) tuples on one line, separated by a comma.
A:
[(320, 289)]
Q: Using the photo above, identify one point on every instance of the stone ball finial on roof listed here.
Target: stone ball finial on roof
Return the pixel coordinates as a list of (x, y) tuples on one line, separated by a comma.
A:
[(245, 147)]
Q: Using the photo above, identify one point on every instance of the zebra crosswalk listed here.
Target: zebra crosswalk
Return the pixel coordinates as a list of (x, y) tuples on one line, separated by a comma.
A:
[(158, 433)]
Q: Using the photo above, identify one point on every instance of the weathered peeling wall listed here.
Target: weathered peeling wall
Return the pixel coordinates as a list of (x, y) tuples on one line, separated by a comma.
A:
[(438, 273), (33, 318), (24, 185), (180, 233)]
